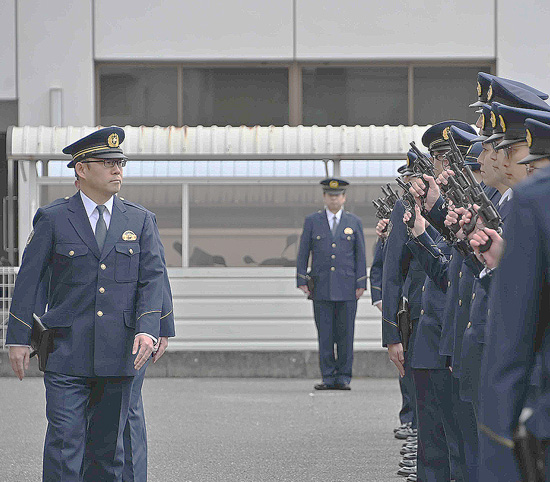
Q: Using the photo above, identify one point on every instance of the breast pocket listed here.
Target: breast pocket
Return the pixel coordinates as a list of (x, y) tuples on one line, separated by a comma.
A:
[(127, 262), (71, 264)]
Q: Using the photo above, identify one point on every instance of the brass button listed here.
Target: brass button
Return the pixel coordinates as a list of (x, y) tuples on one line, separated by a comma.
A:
[(66, 197), (460, 274), (333, 256), (349, 238), (473, 296), (421, 312), (332, 268), (423, 288), (131, 251), (334, 245), (469, 324), (448, 283), (318, 237), (451, 257), (71, 253), (459, 302), (102, 266), (102, 290), (100, 313)]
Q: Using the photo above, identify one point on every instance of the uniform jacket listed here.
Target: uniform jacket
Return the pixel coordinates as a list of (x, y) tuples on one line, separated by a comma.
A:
[(433, 256), (97, 301), (338, 264), (402, 276), (521, 291), (375, 274)]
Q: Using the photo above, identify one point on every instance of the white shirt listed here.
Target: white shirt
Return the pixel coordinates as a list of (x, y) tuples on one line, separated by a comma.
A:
[(93, 213), (333, 217)]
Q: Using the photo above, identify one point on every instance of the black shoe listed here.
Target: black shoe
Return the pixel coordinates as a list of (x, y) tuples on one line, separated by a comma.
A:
[(324, 386), (407, 463), (407, 450), (342, 386), (411, 478), (410, 456), (402, 426), (405, 433), (406, 471)]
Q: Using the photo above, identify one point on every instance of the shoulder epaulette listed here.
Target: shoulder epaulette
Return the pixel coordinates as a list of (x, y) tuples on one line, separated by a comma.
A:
[(57, 202), (134, 205)]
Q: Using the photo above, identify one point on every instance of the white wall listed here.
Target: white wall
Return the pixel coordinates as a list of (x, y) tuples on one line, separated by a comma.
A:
[(8, 89), (394, 29), (523, 46), (191, 30), (55, 50)]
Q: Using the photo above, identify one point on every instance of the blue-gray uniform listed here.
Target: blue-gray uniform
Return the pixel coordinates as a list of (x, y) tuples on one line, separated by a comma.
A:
[(135, 432), (98, 300), (520, 332), (338, 269), (407, 414)]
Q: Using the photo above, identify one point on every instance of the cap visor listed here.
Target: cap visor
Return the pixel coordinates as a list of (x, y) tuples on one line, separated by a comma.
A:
[(477, 104), (479, 139), (508, 142), (533, 157), (494, 137)]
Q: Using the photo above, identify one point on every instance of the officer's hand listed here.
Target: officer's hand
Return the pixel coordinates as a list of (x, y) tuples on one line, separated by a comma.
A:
[(379, 306), (492, 256), (160, 348), (453, 217), (380, 228), (145, 345), (419, 187), (359, 292), (19, 358), (305, 289), (442, 178), (419, 221), (397, 356)]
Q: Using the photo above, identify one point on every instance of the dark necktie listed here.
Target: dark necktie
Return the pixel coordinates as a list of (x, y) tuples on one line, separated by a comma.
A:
[(334, 225), (100, 227)]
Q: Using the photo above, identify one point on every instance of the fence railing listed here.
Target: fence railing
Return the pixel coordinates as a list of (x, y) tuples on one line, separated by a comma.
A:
[(7, 283)]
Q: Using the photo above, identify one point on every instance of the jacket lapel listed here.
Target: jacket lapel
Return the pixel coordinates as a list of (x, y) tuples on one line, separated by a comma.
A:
[(117, 226), (324, 221), (79, 219)]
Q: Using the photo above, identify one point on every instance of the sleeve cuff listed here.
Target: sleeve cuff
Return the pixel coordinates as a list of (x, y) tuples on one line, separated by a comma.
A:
[(150, 336)]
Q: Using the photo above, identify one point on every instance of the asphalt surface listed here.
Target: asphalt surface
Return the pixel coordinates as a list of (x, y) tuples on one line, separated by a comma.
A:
[(233, 430)]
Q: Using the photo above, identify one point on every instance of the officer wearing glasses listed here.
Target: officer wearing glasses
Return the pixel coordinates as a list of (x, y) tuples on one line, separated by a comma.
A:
[(105, 299)]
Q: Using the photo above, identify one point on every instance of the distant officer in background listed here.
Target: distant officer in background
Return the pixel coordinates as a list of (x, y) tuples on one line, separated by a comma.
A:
[(338, 278)]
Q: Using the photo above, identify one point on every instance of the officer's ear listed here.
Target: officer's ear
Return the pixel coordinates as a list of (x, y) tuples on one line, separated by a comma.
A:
[(79, 171)]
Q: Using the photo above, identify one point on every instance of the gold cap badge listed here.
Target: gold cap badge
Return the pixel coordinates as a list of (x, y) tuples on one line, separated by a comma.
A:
[(490, 93), (129, 236), (502, 124), (483, 120), (493, 120), (446, 132), (348, 231), (529, 138), (113, 140), (333, 184), (478, 89)]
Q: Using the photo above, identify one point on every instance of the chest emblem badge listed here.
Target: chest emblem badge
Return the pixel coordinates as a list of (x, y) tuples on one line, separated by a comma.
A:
[(348, 231), (129, 236)]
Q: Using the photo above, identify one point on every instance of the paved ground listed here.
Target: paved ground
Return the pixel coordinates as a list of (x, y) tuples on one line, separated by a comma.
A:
[(256, 430)]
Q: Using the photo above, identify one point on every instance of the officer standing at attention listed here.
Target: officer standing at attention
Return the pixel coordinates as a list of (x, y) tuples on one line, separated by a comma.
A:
[(335, 239), (104, 304)]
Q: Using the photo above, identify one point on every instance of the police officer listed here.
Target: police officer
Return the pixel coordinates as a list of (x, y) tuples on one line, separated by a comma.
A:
[(521, 331), (104, 304), (334, 238)]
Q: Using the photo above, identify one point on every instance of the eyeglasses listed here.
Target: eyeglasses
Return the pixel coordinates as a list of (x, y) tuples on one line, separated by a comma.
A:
[(109, 163), (530, 168)]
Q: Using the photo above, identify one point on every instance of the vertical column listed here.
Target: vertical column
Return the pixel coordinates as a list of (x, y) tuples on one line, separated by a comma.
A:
[(28, 190), (295, 97), (185, 225)]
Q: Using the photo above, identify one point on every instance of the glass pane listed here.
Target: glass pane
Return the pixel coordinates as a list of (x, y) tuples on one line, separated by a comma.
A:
[(239, 225), (235, 96), (443, 93), (138, 95), (163, 200), (355, 95)]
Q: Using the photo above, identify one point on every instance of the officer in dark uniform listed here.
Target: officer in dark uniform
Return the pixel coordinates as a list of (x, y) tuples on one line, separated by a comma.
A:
[(335, 240), (520, 334), (104, 303)]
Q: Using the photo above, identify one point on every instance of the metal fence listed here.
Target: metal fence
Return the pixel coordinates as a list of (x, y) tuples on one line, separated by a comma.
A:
[(7, 283)]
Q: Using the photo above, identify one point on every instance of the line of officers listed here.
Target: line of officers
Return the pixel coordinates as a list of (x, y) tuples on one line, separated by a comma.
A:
[(476, 372)]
